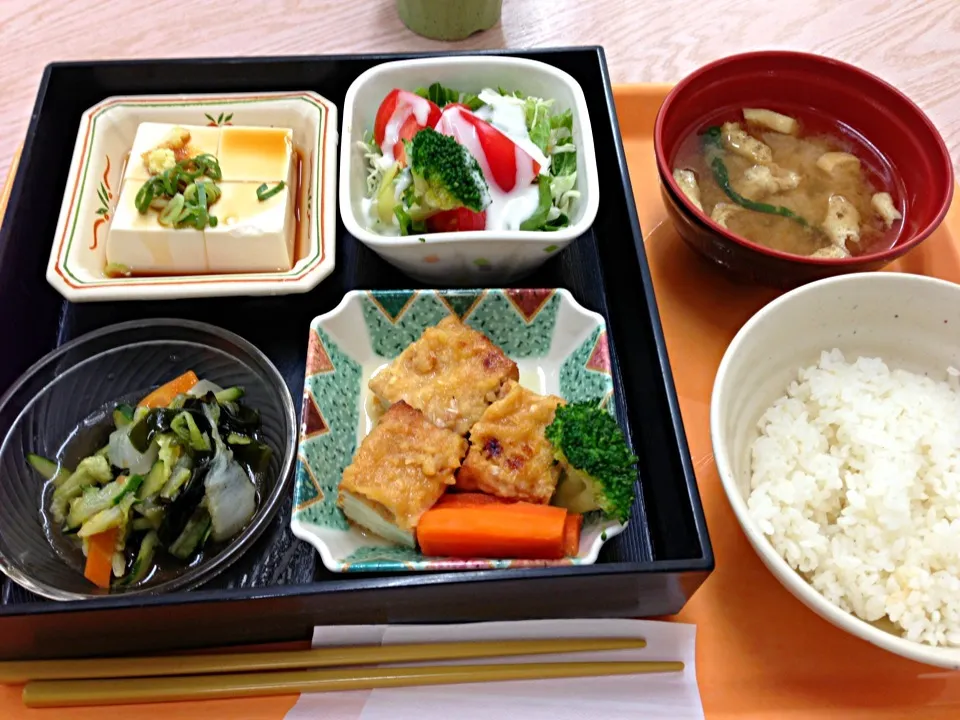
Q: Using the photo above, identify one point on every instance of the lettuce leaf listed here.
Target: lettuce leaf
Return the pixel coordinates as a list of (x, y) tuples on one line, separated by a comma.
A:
[(540, 215), (563, 161), (537, 114), (440, 96), (408, 226)]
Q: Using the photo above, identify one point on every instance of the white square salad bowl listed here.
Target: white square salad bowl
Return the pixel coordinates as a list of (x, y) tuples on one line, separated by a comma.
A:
[(479, 257)]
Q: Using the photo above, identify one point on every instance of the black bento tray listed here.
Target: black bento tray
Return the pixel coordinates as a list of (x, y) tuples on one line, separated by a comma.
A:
[(280, 589)]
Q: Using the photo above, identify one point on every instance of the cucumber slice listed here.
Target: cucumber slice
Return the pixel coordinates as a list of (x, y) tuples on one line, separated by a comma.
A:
[(144, 559), (232, 394), (112, 517), (122, 416), (94, 501), (193, 536), (70, 489), (155, 480), (119, 562), (49, 469), (150, 510), (176, 481), (143, 523), (90, 471), (234, 439), (187, 430)]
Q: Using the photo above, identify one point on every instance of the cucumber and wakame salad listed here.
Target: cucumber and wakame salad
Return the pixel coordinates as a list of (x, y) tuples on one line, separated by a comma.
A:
[(179, 471)]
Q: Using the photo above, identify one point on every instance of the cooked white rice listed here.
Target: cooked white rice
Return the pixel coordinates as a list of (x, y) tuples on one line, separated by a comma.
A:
[(856, 483)]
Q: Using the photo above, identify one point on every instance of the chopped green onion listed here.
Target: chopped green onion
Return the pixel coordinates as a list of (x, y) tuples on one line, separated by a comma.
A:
[(213, 192), (115, 270), (209, 164), (145, 197), (264, 194), (171, 212), (190, 195)]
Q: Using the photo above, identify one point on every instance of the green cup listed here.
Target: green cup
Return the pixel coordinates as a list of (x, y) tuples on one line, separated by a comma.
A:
[(449, 19)]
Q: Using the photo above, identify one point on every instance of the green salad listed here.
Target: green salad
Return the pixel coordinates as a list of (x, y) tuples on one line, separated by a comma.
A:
[(442, 160)]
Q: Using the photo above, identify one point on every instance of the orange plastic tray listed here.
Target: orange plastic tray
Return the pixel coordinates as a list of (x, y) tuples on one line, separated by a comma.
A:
[(760, 653)]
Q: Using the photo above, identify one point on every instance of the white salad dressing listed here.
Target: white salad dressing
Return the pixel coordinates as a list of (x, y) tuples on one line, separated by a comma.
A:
[(506, 114), (403, 181), (405, 104), (507, 210)]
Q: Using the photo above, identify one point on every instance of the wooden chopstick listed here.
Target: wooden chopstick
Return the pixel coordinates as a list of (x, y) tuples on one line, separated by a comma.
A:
[(63, 693), (19, 672)]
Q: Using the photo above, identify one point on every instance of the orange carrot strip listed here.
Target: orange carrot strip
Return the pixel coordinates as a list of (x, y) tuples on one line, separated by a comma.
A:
[(571, 534), (467, 499), (164, 395), (99, 565), (516, 530)]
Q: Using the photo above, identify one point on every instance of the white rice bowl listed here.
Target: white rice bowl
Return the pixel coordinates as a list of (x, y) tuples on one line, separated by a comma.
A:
[(855, 481)]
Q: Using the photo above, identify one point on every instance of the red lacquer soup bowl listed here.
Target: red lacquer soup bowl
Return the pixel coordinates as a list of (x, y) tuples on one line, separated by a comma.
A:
[(858, 104)]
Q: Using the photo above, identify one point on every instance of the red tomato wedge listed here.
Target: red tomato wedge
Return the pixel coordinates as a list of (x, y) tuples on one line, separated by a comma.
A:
[(503, 162), (402, 115), (459, 220)]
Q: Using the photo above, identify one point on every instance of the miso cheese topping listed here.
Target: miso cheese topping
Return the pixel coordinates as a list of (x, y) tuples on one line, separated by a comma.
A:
[(245, 233)]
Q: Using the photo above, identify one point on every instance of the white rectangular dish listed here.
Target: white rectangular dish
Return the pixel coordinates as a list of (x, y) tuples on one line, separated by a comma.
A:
[(76, 268), (478, 257)]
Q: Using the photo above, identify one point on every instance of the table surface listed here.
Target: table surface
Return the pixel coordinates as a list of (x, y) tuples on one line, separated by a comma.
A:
[(915, 45)]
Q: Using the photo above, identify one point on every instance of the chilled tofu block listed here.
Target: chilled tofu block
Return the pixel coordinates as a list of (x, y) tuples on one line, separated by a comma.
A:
[(251, 235), (260, 154), (146, 247), (175, 142)]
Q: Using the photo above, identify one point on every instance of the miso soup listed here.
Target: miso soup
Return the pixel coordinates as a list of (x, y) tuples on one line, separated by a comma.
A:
[(793, 184)]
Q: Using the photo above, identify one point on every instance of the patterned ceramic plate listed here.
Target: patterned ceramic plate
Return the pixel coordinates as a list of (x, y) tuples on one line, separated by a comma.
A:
[(560, 348), (107, 131)]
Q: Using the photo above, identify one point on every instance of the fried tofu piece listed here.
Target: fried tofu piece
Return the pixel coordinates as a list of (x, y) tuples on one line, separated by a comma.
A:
[(762, 180), (509, 455), (452, 373), (842, 223), (771, 120), (883, 205), (687, 180), (400, 470), (739, 141)]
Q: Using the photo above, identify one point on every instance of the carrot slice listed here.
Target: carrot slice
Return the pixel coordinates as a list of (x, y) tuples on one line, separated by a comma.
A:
[(571, 534), (467, 499), (514, 530), (99, 565), (164, 395)]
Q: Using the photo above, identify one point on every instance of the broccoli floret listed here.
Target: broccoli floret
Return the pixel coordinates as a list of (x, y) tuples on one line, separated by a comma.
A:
[(598, 465), (445, 175)]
